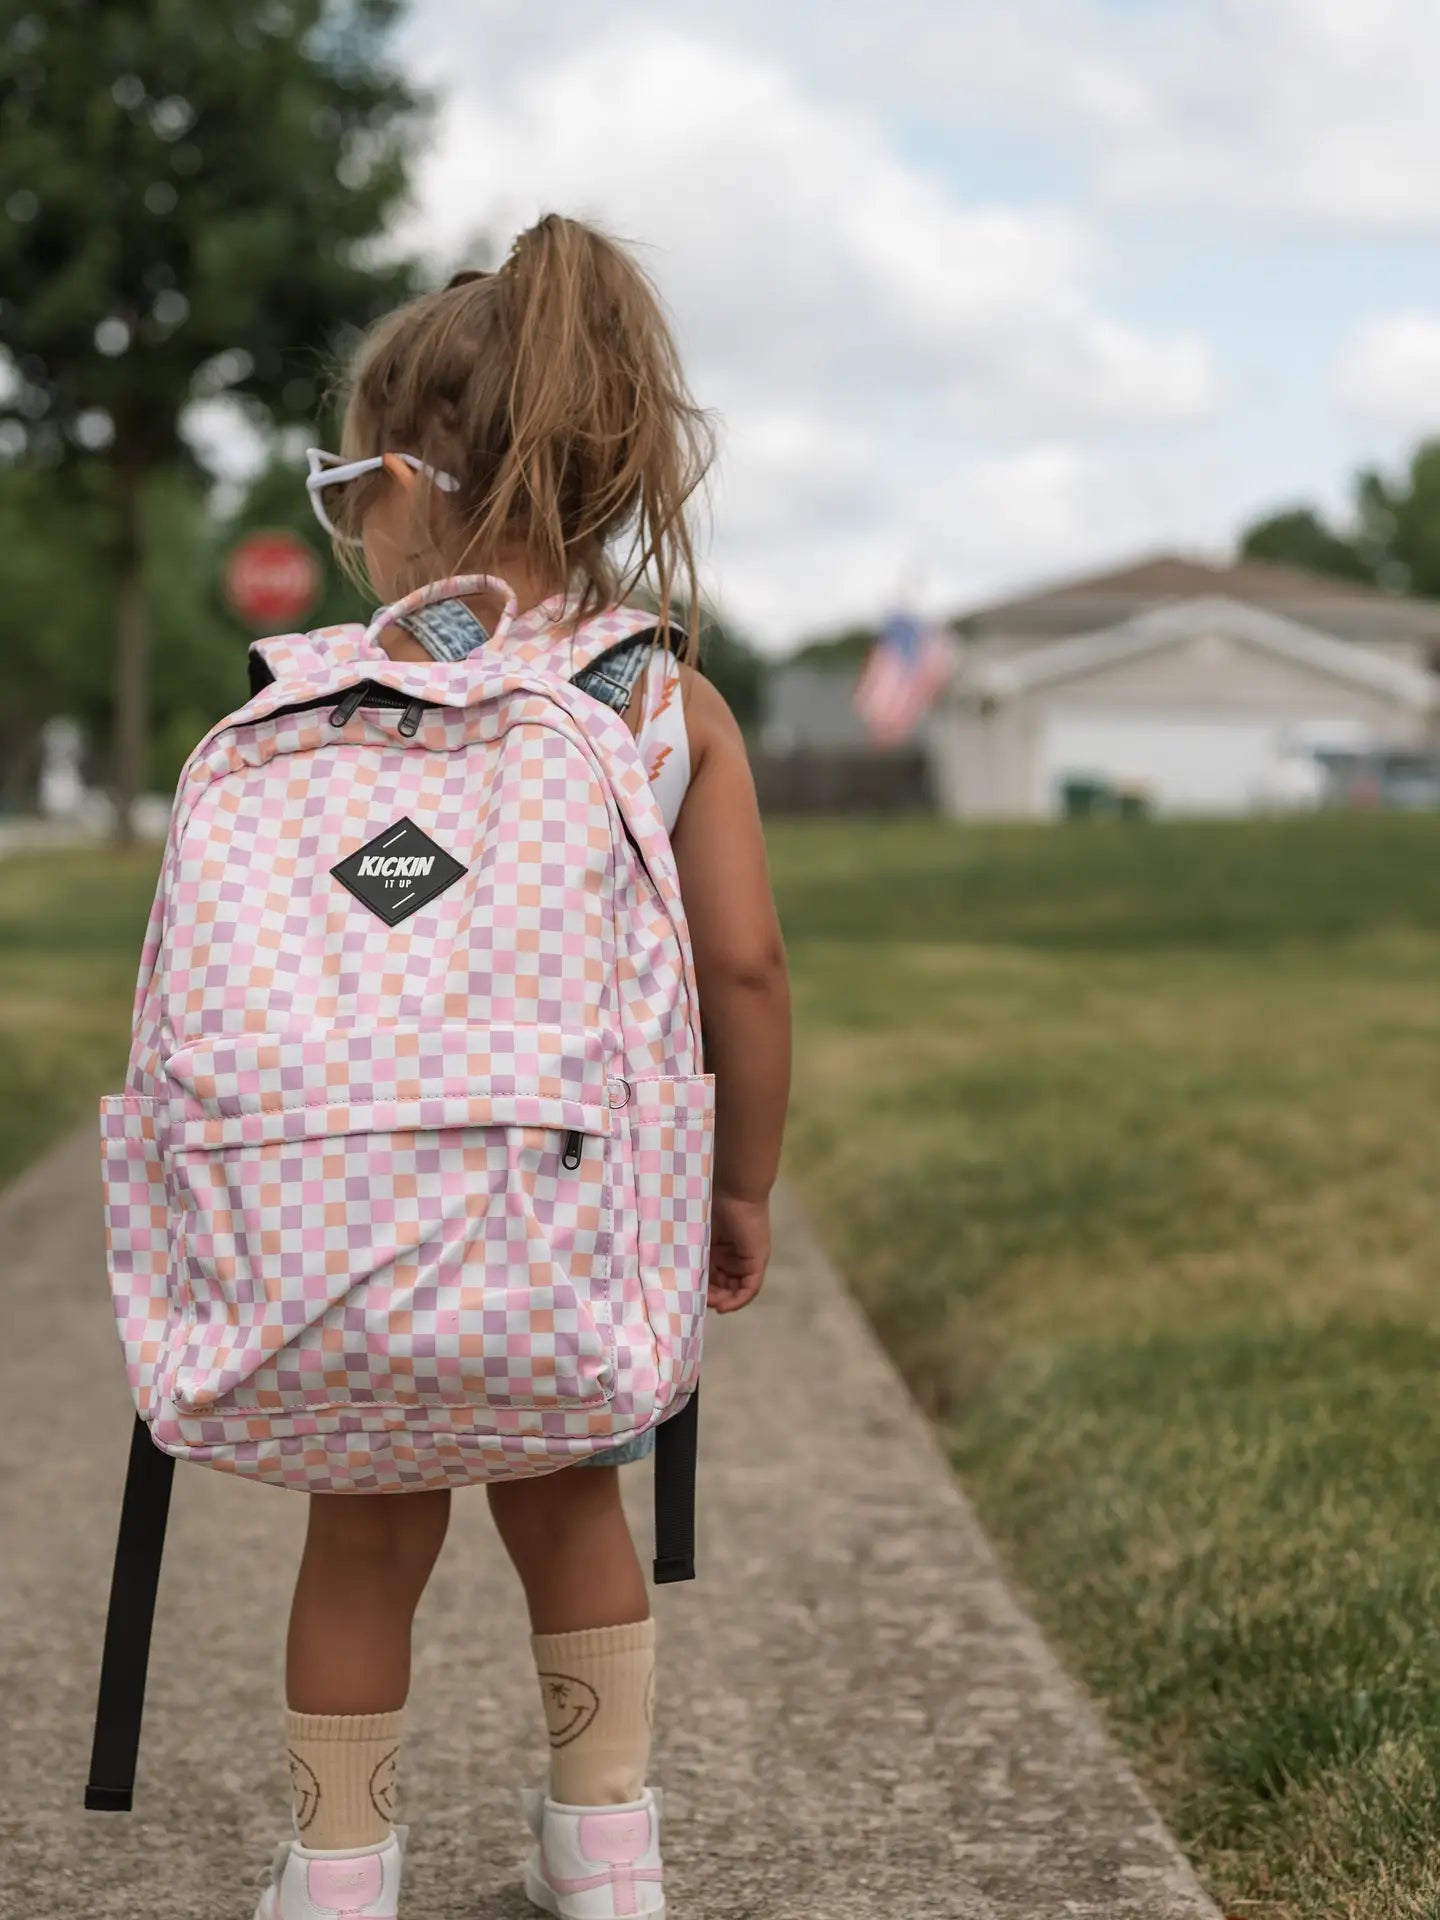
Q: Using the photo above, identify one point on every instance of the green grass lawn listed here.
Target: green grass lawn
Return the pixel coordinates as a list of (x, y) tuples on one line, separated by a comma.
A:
[(71, 924), (1127, 1136)]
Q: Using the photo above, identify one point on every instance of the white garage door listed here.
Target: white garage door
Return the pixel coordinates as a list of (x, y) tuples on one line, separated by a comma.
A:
[(1186, 763)]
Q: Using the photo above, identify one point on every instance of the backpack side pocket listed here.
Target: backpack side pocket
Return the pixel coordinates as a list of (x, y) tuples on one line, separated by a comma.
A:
[(672, 1125), (137, 1236)]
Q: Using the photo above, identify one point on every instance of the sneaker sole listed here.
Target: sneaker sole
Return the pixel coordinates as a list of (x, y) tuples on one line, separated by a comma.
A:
[(269, 1909), (545, 1898)]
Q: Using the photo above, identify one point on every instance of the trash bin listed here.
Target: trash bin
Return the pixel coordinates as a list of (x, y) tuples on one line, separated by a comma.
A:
[(1132, 801), (1086, 797)]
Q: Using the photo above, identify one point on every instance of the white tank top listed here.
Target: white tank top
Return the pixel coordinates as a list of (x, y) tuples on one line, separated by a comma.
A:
[(662, 738)]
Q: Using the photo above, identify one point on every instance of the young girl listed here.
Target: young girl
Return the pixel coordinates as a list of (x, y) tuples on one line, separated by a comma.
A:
[(529, 422)]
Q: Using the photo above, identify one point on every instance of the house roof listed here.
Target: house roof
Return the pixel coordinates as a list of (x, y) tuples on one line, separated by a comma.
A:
[(1169, 625), (1324, 600)]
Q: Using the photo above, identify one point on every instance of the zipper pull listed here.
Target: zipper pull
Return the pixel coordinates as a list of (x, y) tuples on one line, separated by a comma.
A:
[(410, 719), (570, 1159), (348, 703)]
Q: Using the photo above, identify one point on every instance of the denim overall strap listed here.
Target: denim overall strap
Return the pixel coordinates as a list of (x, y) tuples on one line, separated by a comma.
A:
[(447, 629), (443, 592), (613, 677)]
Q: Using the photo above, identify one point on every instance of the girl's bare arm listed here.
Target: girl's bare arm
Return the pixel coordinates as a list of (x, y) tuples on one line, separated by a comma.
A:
[(744, 988)]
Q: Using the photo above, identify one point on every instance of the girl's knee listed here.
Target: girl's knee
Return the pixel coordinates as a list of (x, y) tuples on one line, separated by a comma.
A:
[(401, 1531), (569, 1541), (536, 1504)]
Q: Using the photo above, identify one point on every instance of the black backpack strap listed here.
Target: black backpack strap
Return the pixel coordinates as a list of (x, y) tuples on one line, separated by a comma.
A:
[(261, 672), (612, 679), (133, 1586), (676, 1444)]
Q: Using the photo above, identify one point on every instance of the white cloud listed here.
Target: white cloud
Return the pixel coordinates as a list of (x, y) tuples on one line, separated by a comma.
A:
[(793, 241), (1322, 111), (1043, 498), (1388, 375), (774, 457), (856, 322), (950, 535), (1074, 61), (1057, 507)]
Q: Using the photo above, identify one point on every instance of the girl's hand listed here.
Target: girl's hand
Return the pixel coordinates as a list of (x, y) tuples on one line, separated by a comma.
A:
[(739, 1251)]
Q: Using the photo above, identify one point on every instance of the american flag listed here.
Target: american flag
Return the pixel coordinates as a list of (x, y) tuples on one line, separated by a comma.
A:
[(905, 670)]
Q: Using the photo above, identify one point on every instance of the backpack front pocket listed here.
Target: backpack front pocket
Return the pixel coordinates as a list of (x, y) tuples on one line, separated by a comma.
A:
[(409, 1218)]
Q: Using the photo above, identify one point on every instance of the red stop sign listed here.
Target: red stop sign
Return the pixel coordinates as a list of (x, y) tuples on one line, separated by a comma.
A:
[(272, 579)]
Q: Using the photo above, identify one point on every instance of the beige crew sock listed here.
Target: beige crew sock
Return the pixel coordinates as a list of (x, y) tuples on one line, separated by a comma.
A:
[(342, 1774), (598, 1688)]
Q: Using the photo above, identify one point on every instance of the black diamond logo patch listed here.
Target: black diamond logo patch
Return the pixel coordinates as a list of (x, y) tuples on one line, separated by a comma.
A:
[(396, 872)]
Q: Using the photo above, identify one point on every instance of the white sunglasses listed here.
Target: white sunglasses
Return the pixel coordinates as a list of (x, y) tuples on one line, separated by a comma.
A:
[(330, 470)]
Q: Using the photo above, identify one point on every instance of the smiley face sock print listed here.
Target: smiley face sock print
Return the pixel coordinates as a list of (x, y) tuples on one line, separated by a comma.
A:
[(597, 1688), (342, 1777)]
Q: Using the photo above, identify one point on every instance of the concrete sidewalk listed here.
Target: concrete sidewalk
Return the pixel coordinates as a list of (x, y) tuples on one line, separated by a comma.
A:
[(856, 1719)]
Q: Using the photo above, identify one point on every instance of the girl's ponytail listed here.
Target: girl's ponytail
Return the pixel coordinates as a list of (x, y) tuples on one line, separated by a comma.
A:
[(552, 389)]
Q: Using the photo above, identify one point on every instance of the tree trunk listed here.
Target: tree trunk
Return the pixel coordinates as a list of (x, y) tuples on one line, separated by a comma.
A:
[(132, 665), (19, 764)]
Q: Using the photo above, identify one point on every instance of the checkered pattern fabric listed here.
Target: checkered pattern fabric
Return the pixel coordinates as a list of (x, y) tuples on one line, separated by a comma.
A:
[(411, 1205)]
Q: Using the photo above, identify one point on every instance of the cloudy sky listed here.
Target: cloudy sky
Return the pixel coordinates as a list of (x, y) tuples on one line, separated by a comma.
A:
[(984, 291)]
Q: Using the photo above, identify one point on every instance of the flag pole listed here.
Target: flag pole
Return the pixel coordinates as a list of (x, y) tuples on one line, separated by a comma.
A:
[(912, 577)]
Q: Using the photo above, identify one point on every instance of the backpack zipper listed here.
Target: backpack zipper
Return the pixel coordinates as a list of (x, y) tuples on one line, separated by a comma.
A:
[(347, 703), (365, 693), (574, 1144)]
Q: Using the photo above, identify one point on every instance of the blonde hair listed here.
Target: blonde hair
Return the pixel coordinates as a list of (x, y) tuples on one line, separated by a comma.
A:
[(552, 391)]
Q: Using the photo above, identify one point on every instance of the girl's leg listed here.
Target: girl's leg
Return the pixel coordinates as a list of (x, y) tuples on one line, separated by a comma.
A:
[(568, 1536), (367, 1559), (593, 1639), (366, 1563)]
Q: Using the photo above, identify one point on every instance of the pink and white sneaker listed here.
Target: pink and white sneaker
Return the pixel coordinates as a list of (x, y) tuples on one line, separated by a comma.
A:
[(307, 1884), (595, 1863)]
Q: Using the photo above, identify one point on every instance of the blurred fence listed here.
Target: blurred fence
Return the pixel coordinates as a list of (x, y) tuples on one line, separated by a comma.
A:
[(842, 781)]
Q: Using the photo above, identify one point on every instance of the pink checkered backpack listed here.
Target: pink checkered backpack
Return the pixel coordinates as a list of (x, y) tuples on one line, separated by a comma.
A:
[(409, 1185)]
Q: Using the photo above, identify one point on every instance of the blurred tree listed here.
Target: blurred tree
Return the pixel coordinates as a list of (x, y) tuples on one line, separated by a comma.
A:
[(736, 670), (49, 601), (728, 661), (189, 199), (844, 649), (1300, 538), (58, 615), (199, 649), (1400, 522), (1395, 540), (276, 497)]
